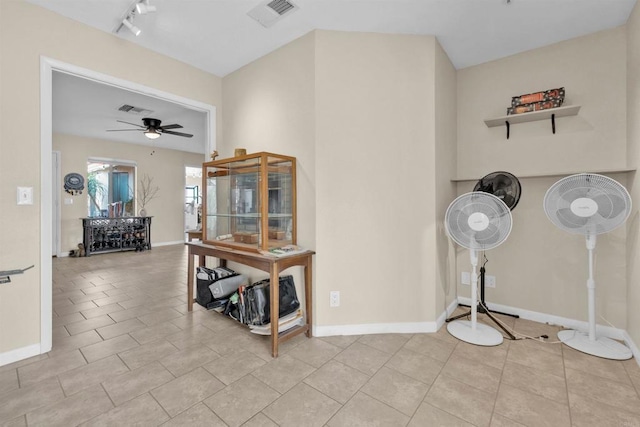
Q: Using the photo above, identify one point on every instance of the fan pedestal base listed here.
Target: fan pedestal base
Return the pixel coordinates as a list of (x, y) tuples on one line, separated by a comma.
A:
[(483, 335), (601, 347)]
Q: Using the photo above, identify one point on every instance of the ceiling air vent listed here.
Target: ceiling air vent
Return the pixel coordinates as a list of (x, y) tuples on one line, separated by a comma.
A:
[(134, 110), (271, 11)]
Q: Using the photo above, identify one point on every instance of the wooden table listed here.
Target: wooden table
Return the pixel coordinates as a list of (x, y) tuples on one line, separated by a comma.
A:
[(269, 264), (194, 234)]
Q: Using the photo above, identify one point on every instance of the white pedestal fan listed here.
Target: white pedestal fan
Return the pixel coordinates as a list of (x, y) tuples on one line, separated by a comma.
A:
[(477, 221), (589, 204)]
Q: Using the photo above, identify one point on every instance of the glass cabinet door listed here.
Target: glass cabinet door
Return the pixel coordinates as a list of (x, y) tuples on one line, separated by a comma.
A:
[(250, 201)]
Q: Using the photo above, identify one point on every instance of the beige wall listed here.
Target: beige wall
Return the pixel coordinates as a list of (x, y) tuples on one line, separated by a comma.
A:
[(375, 158), (592, 71), (540, 267), (28, 32), (269, 107), (633, 159), (358, 112), (166, 167), (445, 171)]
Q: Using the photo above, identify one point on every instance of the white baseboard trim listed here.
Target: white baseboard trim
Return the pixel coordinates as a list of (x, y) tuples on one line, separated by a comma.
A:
[(632, 346), (445, 315), (177, 242), (606, 331), (386, 328), (19, 354), (375, 328)]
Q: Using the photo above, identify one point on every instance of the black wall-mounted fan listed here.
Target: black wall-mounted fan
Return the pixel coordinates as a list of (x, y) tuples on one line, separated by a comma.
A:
[(504, 185), (152, 128)]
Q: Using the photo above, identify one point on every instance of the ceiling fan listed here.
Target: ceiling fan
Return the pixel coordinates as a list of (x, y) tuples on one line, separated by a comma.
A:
[(152, 128)]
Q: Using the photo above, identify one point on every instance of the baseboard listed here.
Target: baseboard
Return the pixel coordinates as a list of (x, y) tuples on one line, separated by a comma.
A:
[(19, 354), (606, 331), (632, 346), (445, 315), (375, 328), (386, 328), (177, 242)]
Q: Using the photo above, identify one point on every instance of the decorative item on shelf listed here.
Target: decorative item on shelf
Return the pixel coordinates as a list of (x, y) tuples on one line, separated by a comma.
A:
[(551, 98), (73, 183), (240, 152), (147, 191), (214, 155)]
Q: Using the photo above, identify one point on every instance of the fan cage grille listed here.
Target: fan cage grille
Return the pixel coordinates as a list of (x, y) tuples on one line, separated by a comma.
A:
[(503, 185), (462, 208), (612, 199)]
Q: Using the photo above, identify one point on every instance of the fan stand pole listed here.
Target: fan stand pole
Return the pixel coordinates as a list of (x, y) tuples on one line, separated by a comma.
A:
[(589, 342), (471, 331), (481, 308)]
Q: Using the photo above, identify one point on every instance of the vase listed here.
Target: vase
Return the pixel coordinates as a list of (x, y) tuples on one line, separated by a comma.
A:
[(143, 212)]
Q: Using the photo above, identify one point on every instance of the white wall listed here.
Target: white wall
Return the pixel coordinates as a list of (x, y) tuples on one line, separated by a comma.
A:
[(540, 267)]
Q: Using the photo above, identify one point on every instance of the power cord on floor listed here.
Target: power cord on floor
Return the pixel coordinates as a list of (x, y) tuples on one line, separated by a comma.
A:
[(519, 336)]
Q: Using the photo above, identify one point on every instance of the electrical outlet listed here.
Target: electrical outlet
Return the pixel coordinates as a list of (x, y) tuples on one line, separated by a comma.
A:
[(490, 281), (334, 299), (466, 278)]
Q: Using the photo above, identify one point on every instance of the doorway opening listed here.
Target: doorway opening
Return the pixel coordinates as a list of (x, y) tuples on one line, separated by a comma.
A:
[(111, 189), (192, 199), (47, 68)]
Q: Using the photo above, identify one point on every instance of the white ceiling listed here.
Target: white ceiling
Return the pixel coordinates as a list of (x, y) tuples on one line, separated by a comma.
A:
[(217, 36), (87, 108)]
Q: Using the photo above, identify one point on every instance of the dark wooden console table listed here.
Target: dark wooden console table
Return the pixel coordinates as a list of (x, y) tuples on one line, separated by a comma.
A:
[(127, 233), (269, 264)]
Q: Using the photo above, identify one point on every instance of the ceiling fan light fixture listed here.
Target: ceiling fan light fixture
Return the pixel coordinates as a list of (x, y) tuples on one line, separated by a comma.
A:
[(135, 30), (151, 133), (144, 7)]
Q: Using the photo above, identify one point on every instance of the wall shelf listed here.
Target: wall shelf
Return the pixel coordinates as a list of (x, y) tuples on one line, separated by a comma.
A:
[(534, 116)]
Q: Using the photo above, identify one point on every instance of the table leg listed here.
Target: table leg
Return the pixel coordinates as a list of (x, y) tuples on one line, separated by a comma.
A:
[(307, 295), (190, 281), (274, 307)]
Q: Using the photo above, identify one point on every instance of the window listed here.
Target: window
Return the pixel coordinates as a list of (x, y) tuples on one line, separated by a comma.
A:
[(110, 186)]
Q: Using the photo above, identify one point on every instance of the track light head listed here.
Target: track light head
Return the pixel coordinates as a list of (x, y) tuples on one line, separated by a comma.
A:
[(144, 7), (135, 30)]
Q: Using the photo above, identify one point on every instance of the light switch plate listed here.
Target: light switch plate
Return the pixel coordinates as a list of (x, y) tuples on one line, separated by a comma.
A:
[(25, 195)]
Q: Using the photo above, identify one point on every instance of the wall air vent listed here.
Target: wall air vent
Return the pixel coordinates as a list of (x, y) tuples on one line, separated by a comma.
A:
[(134, 110), (269, 12)]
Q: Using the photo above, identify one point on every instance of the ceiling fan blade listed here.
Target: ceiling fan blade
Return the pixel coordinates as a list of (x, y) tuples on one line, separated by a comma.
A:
[(125, 130), (174, 126), (186, 135), (132, 124)]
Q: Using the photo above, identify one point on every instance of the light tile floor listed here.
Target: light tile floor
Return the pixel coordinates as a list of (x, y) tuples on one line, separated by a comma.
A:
[(127, 352)]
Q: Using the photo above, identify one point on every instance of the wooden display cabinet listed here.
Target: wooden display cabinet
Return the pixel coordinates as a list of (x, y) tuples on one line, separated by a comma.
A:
[(249, 202)]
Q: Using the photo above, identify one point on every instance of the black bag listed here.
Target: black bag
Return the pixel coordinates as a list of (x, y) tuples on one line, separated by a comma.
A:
[(204, 278), (257, 302)]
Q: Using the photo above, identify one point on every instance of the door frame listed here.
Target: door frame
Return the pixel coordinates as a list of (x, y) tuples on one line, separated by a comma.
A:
[(47, 67), (57, 181)]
